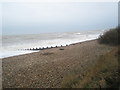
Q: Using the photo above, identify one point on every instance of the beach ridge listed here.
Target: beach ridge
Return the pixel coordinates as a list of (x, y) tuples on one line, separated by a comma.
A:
[(47, 68)]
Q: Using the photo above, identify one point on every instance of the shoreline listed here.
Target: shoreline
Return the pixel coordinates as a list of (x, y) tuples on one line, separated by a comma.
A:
[(46, 69), (34, 51)]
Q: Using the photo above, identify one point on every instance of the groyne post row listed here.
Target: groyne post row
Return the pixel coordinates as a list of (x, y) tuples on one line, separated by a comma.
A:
[(43, 48)]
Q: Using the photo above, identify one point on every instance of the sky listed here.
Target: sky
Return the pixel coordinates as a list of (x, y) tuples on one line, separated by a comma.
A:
[(119, 14), (0, 19), (59, 0), (46, 17)]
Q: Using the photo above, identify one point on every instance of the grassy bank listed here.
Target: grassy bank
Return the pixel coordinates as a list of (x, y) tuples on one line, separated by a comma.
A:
[(104, 74)]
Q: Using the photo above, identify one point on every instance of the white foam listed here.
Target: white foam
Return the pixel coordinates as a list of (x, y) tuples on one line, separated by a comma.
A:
[(77, 33), (13, 53), (14, 47)]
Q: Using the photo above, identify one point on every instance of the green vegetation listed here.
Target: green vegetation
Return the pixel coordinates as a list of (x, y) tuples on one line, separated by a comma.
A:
[(110, 37)]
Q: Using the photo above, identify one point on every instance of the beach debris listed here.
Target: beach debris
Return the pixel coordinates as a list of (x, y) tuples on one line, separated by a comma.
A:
[(61, 49), (48, 53)]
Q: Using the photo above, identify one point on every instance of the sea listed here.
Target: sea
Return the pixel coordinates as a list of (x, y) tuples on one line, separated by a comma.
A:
[(12, 45)]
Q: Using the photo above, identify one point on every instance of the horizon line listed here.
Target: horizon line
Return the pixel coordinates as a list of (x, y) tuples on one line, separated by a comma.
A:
[(42, 1)]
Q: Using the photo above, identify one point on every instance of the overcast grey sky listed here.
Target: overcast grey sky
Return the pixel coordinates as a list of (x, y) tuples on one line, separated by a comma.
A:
[(0, 20), (29, 18)]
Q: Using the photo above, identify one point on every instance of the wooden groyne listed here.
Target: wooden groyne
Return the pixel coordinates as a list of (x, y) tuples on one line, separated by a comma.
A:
[(43, 48)]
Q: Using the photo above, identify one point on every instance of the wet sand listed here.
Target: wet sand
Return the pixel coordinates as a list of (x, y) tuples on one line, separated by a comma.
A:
[(46, 69)]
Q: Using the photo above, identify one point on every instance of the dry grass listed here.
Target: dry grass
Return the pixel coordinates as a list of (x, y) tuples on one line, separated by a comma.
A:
[(104, 74)]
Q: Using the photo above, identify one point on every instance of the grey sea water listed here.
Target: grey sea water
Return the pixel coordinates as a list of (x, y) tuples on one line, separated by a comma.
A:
[(14, 44)]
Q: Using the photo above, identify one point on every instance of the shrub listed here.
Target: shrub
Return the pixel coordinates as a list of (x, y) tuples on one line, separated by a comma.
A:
[(110, 37)]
